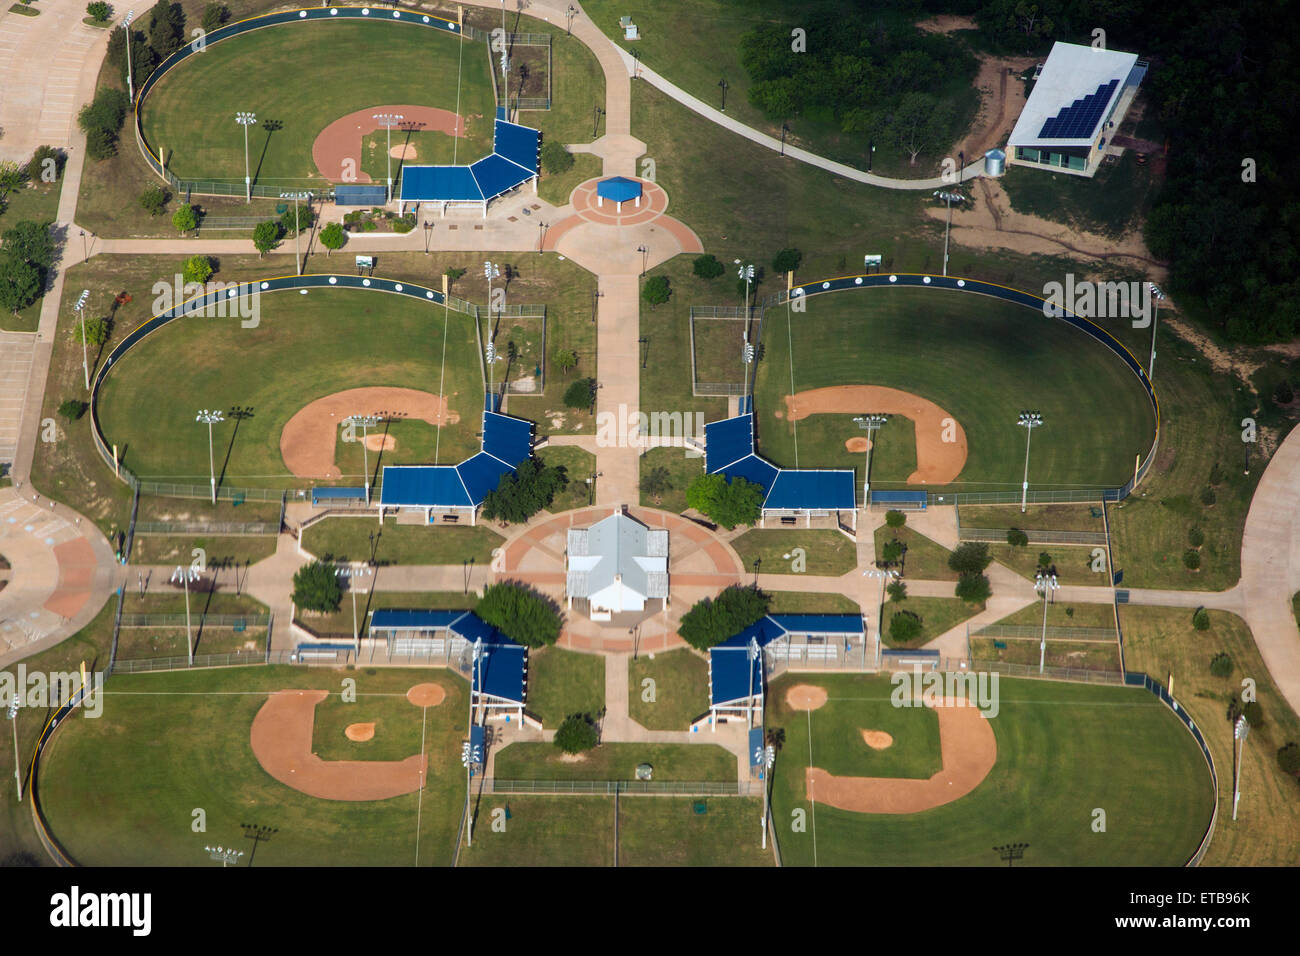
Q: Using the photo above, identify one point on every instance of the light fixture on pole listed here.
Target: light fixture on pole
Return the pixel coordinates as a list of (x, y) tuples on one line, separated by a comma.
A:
[(80, 309), (949, 198), (645, 257), (745, 272), (871, 424), (570, 13), (365, 421), (749, 360), (1028, 421), (13, 719), (490, 353), (297, 223), (885, 575), (388, 121), (226, 856), (246, 120), (768, 757), (1156, 298), (185, 576), (1044, 583), (1239, 731), (126, 28), (211, 418)]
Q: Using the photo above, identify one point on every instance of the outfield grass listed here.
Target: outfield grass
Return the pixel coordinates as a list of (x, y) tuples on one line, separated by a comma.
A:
[(825, 552), (541, 831), (411, 66), (924, 559), (578, 465), (682, 470), (615, 761), (401, 340), (1135, 761), (679, 692), (120, 790), (399, 724), (1160, 642), (563, 682), (970, 360), (348, 539), (667, 831), (938, 616)]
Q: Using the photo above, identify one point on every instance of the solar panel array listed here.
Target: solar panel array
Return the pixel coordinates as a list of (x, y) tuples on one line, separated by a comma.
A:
[(1079, 119)]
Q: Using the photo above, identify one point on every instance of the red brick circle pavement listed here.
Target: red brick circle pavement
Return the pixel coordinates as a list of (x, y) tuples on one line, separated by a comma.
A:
[(654, 202)]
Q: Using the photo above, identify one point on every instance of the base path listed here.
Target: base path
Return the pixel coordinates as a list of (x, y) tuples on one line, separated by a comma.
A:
[(281, 739), (337, 151), (969, 751), (307, 440), (938, 462)]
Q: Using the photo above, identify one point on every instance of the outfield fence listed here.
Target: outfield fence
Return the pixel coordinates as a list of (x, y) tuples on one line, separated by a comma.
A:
[(661, 788), (1053, 632), (999, 535)]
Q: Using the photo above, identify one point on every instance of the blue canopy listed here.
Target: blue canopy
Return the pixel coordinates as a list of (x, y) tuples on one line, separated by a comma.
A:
[(618, 189), (512, 162)]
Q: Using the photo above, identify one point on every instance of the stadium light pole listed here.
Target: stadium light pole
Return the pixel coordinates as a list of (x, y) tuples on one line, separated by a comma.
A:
[(185, 576), (1028, 421), (871, 423), (224, 855), (388, 121), (297, 223), (211, 418), (365, 421), (570, 13), (1239, 731), (126, 28), (949, 198), (1044, 583), (80, 309), (13, 720), (885, 574), (246, 120), (1156, 297)]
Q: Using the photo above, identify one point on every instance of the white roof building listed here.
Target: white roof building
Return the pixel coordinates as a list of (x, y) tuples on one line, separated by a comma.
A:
[(617, 565), (1078, 101)]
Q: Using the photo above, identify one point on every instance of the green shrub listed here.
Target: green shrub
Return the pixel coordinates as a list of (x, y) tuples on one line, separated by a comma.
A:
[(708, 267), (971, 557), (896, 590), (1196, 537), (100, 143), (98, 11), (1017, 538), (1201, 619), (1191, 559), (404, 224), (519, 496), (1208, 497), (198, 269), (332, 237), (184, 218), (580, 394), (520, 613), (1288, 758), (787, 260), (316, 588), (154, 200), (657, 290), (43, 158), (974, 588), (73, 409), (576, 734), (895, 519), (891, 552), (728, 502), (904, 626), (214, 15), (1221, 665), (713, 620), (1254, 714)]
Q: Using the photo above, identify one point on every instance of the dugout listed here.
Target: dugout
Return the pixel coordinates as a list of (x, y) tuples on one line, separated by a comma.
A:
[(514, 160)]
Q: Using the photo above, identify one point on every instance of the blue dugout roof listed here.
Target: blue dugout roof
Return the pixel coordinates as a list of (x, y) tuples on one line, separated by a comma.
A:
[(732, 675), (390, 619), (503, 671), (618, 189), (512, 162), (730, 669), (823, 490), (727, 441), (729, 449), (424, 486), (508, 439), (503, 665)]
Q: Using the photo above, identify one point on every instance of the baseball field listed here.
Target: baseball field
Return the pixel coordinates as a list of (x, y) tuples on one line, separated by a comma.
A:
[(298, 79), (1063, 752), (311, 361), (953, 370)]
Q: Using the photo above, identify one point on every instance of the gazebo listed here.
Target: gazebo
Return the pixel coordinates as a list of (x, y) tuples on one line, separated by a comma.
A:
[(618, 189)]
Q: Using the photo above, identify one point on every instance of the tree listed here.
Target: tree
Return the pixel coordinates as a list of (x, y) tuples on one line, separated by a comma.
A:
[(333, 236), (44, 159), (198, 269), (214, 15), (891, 552), (1044, 560), (316, 588), (920, 122), (1288, 758), (143, 58), (580, 394), (165, 24), (787, 260), (895, 519), (519, 496), (566, 360), (897, 591), (96, 331), (99, 11), (297, 217), (656, 481), (974, 588), (1017, 538), (154, 200), (184, 218), (1201, 619), (520, 613), (576, 734), (20, 284), (972, 557), (713, 620), (100, 143), (72, 409), (1191, 559), (30, 242), (266, 236), (1221, 665), (729, 503), (555, 158), (1196, 537), (904, 626), (1253, 711), (101, 119), (708, 267), (452, 275), (1208, 497), (657, 290)]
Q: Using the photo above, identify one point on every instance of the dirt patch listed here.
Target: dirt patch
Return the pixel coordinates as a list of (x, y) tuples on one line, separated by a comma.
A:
[(359, 732), (337, 150), (405, 151), (572, 758), (946, 23), (380, 442), (307, 440), (877, 739), (281, 740), (806, 697), (937, 461), (426, 695), (1002, 97), (858, 444), (968, 750)]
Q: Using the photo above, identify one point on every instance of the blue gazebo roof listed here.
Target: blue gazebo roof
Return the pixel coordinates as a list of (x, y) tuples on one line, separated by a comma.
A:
[(618, 189)]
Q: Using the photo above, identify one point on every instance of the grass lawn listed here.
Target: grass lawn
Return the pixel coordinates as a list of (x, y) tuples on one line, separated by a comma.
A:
[(806, 602), (223, 551), (666, 375), (398, 722), (167, 743), (1073, 565), (666, 831), (155, 508), (563, 682), (401, 339), (1161, 641), (1090, 655), (1135, 760), (677, 694), (556, 188), (1034, 518), (923, 560), (339, 624), (1062, 614), (348, 539), (541, 831), (418, 67), (938, 616), (682, 470), (1113, 202), (578, 465), (970, 360), (611, 761), (825, 552)]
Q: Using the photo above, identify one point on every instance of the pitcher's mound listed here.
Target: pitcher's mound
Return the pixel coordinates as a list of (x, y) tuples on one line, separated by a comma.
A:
[(426, 695), (380, 442), (806, 697), (877, 739), (359, 732), (406, 151), (858, 444)]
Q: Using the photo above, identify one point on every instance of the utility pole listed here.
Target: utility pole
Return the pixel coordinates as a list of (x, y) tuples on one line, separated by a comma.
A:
[(1029, 421), (80, 309)]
